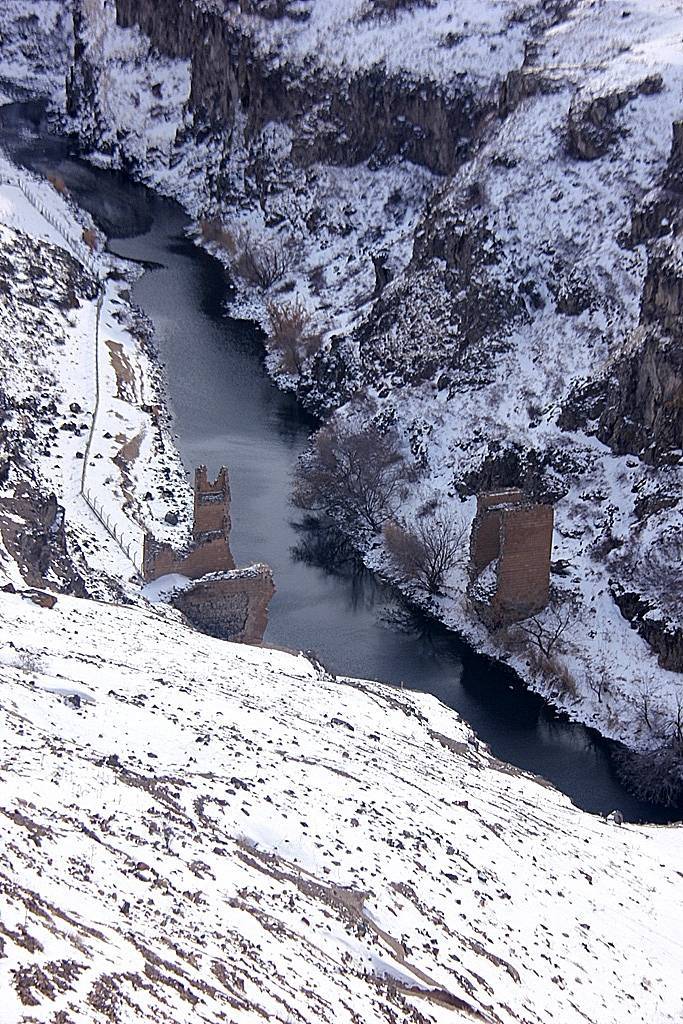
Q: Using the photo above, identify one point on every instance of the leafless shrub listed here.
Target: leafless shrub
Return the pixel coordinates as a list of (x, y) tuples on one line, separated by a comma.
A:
[(292, 334), (353, 474), (58, 183), (261, 263), (547, 631), (599, 681), (553, 670), (213, 230), (645, 701), (426, 550), (256, 261), (562, 675), (677, 720)]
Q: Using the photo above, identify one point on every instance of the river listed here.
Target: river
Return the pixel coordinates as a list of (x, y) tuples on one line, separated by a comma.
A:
[(227, 411)]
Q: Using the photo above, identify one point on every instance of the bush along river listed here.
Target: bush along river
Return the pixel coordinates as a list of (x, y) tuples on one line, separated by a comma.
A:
[(227, 411)]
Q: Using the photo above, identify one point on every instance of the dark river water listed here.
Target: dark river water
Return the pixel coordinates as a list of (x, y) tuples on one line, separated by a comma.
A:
[(226, 411)]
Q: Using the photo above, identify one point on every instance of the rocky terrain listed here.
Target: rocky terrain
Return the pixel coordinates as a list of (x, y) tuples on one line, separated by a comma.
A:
[(86, 457), (475, 213)]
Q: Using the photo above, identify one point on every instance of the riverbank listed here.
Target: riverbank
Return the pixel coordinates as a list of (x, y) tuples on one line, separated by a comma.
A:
[(97, 436), (624, 695)]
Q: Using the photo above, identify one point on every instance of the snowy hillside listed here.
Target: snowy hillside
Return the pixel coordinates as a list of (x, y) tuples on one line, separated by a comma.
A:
[(80, 419), (196, 830)]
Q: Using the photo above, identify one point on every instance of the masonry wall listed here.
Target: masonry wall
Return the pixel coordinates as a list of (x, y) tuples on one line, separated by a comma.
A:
[(211, 503), (524, 560), (231, 607), (210, 550), (486, 528), (159, 559)]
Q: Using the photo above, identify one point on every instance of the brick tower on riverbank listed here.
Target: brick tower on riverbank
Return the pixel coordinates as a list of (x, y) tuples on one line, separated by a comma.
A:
[(510, 551), (209, 550), (223, 601)]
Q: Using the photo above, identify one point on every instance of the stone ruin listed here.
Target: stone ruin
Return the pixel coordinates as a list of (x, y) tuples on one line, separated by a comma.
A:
[(224, 601), (510, 549)]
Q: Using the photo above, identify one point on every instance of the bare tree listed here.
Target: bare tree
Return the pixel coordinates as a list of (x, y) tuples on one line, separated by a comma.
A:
[(547, 631), (261, 263), (645, 701), (677, 731), (258, 261), (292, 334), (598, 681), (354, 474), (428, 549)]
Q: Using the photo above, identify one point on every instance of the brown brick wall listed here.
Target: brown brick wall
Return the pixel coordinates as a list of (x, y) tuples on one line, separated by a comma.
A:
[(485, 535), (231, 607), (211, 503), (211, 555), (519, 533), (524, 561), (210, 551), (484, 540)]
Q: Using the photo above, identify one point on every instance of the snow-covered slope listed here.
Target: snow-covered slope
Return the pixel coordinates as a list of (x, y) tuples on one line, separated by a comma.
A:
[(194, 830), (81, 422), (35, 44)]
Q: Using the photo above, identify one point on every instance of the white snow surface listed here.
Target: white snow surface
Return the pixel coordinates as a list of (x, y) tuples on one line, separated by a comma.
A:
[(214, 831), (441, 41)]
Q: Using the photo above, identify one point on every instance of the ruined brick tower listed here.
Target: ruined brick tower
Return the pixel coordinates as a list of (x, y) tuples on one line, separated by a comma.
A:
[(210, 547), (211, 505), (222, 601), (510, 549)]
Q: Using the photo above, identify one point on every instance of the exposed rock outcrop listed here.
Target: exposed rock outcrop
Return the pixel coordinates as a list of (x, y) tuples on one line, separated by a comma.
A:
[(663, 635), (32, 529), (237, 88), (591, 124)]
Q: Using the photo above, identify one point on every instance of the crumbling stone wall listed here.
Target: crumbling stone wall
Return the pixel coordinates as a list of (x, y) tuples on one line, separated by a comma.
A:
[(225, 602), (524, 561), (231, 606), (211, 504), (515, 536), (485, 535), (210, 549)]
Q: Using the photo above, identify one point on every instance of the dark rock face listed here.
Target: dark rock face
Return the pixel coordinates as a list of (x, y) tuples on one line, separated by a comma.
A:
[(540, 474), (338, 121), (32, 527), (591, 126), (664, 636), (645, 414), (637, 405)]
